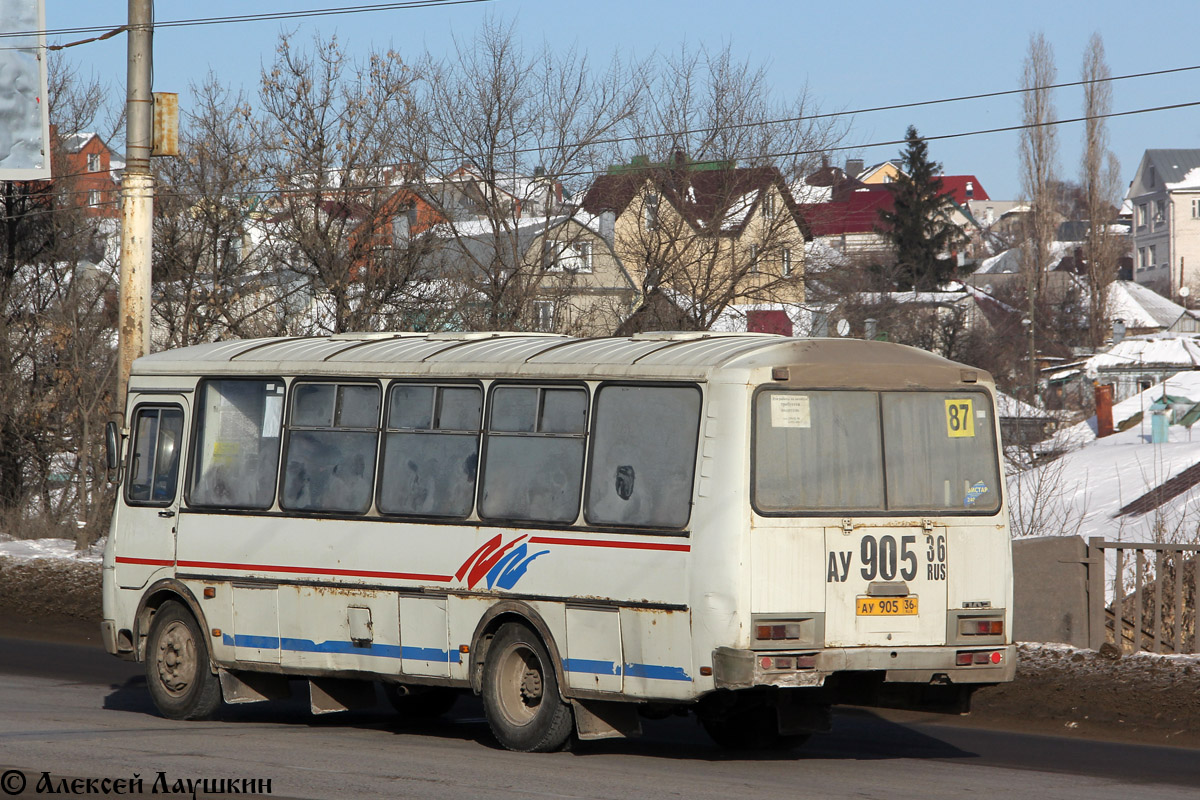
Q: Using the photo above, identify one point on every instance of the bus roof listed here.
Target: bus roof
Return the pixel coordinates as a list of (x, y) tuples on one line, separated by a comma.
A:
[(662, 355)]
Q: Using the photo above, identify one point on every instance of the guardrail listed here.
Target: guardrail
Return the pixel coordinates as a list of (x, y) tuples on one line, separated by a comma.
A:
[(1153, 596)]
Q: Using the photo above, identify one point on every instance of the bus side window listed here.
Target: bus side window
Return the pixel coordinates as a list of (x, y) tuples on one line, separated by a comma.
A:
[(533, 467), (643, 456), (154, 467), (237, 444), (331, 448), (430, 450)]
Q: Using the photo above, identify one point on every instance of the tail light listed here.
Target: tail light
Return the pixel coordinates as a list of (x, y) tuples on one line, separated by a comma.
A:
[(981, 627), (771, 633), (969, 658)]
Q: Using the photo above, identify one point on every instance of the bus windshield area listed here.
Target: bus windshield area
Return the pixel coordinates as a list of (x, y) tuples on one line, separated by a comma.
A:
[(820, 452)]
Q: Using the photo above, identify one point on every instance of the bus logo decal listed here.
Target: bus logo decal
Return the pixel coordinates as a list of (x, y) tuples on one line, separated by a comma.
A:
[(493, 560)]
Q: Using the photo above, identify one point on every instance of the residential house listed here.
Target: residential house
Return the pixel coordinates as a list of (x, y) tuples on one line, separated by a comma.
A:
[(1141, 309), (469, 193), (94, 171), (1137, 363), (559, 274), (1165, 200), (711, 232)]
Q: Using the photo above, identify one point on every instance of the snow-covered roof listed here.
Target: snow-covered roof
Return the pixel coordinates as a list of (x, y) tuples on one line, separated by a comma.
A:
[(1009, 406), (1151, 352), (1141, 307), (1189, 181), (1010, 260), (1084, 491)]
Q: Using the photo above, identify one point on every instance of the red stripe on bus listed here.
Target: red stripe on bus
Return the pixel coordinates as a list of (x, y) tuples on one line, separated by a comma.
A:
[(356, 573), (149, 562), (679, 548)]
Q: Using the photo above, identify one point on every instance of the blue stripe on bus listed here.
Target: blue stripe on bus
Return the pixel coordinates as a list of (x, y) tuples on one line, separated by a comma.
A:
[(588, 666), (343, 648), (655, 672)]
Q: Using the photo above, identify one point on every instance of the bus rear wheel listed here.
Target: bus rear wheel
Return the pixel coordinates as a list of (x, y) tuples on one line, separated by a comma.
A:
[(521, 697), (177, 666)]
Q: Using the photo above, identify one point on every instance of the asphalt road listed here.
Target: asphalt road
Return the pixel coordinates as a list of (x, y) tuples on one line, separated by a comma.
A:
[(74, 711)]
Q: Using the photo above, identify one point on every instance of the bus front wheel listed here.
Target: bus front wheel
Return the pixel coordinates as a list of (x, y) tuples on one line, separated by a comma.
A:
[(177, 667), (521, 698)]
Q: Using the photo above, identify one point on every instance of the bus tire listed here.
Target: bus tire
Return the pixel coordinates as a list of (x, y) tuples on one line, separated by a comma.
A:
[(521, 698), (418, 703), (177, 666)]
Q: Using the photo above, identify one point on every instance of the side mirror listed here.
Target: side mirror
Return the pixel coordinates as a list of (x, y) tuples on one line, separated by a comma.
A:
[(112, 448)]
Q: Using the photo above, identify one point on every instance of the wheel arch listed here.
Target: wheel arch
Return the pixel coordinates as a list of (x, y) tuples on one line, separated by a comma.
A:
[(498, 615), (160, 592)]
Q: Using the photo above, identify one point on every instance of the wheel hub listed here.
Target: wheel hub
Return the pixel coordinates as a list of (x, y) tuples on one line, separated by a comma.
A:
[(176, 658)]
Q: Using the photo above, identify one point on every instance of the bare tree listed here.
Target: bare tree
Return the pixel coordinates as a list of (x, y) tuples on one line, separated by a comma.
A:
[(330, 140), (705, 216), (1101, 184), (503, 135), (55, 332), (1038, 156), (203, 259)]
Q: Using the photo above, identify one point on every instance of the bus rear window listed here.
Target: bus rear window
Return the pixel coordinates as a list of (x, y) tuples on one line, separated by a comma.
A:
[(872, 452)]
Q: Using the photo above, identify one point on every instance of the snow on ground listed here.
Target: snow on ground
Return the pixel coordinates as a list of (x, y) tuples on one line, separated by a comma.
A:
[(26, 549)]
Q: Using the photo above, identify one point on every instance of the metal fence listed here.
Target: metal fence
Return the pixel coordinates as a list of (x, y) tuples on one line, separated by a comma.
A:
[(1148, 601)]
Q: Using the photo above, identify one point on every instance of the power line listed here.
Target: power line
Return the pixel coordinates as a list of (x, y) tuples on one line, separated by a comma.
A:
[(265, 17), (596, 171)]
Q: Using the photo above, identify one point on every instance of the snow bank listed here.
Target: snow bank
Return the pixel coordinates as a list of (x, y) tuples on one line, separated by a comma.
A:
[(27, 549)]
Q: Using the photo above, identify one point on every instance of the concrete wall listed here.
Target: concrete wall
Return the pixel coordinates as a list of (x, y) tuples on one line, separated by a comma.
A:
[(1050, 590)]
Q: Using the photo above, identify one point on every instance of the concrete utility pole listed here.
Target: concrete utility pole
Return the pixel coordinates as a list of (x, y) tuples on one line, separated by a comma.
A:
[(137, 198)]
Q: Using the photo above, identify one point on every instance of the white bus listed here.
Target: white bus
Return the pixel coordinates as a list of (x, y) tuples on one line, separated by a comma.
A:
[(582, 531)]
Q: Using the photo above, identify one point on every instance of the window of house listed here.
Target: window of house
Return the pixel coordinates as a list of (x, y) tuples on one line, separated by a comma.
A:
[(543, 315), (1150, 176), (1196, 209), (430, 450), (643, 456), (402, 227), (1153, 256), (754, 258), (787, 262), (769, 205), (236, 454), (533, 462), (94, 198), (570, 256), (1141, 214), (1160, 210), (651, 211), (331, 447), (93, 162), (154, 456)]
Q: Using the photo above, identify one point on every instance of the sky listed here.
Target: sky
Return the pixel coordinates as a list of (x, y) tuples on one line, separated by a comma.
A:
[(847, 56)]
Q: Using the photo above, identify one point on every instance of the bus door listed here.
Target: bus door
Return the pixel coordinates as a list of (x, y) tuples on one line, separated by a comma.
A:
[(145, 533), (886, 585)]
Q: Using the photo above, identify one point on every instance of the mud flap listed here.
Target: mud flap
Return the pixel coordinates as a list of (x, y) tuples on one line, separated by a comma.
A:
[(329, 695), (603, 719), (252, 687)]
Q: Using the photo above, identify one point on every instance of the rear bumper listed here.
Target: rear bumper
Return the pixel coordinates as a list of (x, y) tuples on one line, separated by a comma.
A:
[(744, 669)]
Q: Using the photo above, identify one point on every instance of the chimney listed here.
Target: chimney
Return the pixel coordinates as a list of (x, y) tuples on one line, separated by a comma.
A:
[(854, 166), (1104, 405), (970, 190), (1118, 330), (608, 222)]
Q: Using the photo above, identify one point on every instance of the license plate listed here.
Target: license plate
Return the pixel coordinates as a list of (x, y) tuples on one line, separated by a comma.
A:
[(886, 606)]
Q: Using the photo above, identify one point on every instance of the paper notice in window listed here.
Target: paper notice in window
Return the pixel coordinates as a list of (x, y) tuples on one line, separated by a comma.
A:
[(272, 414), (790, 410)]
